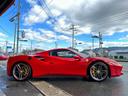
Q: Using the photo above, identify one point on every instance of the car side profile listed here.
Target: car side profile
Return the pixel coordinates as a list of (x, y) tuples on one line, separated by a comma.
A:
[(62, 61)]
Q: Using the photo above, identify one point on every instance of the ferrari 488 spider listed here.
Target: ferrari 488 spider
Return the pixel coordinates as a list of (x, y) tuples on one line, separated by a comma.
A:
[(62, 62)]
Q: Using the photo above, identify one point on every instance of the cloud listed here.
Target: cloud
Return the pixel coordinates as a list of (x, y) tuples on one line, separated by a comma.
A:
[(115, 44), (39, 35), (92, 16), (38, 13), (35, 15), (124, 38), (47, 33), (88, 45), (2, 35), (107, 16), (3, 38), (63, 37), (32, 2)]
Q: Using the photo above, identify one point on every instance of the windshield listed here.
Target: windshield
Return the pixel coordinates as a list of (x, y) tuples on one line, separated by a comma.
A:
[(85, 55)]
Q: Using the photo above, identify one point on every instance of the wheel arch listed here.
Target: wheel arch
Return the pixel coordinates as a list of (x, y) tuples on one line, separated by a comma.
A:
[(93, 62), (24, 63)]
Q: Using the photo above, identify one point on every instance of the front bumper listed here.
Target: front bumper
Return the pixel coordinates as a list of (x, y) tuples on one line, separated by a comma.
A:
[(116, 70)]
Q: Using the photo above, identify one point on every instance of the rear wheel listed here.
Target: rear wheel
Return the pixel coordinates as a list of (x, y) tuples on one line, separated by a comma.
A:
[(21, 71), (98, 71)]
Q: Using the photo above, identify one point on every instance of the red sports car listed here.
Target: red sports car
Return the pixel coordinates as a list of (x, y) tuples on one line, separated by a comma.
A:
[(62, 62)]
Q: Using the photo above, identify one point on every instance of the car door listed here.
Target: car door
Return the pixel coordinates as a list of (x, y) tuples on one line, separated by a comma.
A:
[(63, 62)]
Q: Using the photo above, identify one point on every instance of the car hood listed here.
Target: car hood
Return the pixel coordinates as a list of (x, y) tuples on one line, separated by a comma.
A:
[(106, 60)]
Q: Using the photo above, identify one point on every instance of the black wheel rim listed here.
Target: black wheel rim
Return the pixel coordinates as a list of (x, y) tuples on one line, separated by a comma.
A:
[(21, 71)]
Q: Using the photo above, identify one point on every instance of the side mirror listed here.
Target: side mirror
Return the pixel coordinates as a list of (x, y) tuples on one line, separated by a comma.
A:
[(77, 58)]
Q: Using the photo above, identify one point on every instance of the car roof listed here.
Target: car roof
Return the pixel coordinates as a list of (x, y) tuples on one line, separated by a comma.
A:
[(60, 49)]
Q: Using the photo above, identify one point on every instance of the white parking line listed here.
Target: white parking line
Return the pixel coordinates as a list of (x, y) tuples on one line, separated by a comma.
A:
[(2, 93), (48, 89)]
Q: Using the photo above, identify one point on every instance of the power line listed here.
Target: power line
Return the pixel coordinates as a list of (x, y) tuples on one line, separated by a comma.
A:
[(114, 18), (12, 11), (74, 30), (103, 25), (3, 29), (47, 10), (43, 7), (18, 26)]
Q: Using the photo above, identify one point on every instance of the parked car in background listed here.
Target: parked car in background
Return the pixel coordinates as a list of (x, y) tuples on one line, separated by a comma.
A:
[(3, 56)]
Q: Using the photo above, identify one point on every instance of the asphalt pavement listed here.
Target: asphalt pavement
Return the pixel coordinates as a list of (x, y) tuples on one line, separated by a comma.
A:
[(9, 87), (73, 86), (78, 87)]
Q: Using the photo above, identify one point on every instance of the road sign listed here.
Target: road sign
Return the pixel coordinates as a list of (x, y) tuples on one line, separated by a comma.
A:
[(9, 47)]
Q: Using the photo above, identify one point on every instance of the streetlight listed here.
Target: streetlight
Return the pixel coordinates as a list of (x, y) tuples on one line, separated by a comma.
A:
[(22, 40), (17, 16), (15, 32), (31, 45), (100, 41), (93, 37)]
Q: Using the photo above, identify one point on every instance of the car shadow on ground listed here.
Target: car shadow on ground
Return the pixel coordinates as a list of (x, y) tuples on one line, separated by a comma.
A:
[(61, 78)]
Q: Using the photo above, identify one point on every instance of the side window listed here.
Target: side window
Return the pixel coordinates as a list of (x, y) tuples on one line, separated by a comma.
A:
[(53, 53), (63, 53)]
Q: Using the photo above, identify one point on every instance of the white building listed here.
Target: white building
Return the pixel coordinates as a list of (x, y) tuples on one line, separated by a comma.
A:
[(121, 55)]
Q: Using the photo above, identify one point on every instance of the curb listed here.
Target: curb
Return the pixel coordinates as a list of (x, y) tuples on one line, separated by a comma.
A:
[(47, 89)]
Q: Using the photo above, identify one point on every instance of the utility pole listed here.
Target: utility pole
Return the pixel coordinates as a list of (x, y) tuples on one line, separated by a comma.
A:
[(92, 42), (73, 34), (100, 40), (93, 39), (13, 19), (18, 27), (6, 45), (56, 45), (73, 28), (14, 44), (31, 46)]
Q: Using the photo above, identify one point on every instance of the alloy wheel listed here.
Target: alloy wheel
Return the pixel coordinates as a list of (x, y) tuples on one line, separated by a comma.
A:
[(21, 71), (99, 71)]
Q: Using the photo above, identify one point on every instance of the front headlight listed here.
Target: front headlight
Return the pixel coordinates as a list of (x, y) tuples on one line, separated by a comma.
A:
[(115, 63)]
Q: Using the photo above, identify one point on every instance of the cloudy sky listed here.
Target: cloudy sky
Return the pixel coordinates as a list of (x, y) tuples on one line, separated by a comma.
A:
[(48, 21)]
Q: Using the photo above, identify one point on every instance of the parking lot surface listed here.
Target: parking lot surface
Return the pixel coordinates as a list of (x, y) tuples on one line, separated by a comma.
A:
[(73, 86)]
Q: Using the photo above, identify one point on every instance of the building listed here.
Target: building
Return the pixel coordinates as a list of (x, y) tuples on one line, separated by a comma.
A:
[(119, 55)]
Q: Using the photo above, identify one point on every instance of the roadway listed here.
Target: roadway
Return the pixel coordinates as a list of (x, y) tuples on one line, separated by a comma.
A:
[(74, 86)]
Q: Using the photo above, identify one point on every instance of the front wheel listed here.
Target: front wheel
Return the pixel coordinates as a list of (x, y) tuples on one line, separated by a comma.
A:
[(98, 71), (21, 71)]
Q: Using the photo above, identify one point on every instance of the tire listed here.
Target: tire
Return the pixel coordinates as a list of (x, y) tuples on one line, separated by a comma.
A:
[(98, 71), (21, 71)]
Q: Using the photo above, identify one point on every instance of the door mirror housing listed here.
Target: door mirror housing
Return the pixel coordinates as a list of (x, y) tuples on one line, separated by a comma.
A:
[(77, 58)]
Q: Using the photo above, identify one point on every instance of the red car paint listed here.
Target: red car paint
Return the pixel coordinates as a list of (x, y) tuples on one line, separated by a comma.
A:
[(44, 64), (3, 57)]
